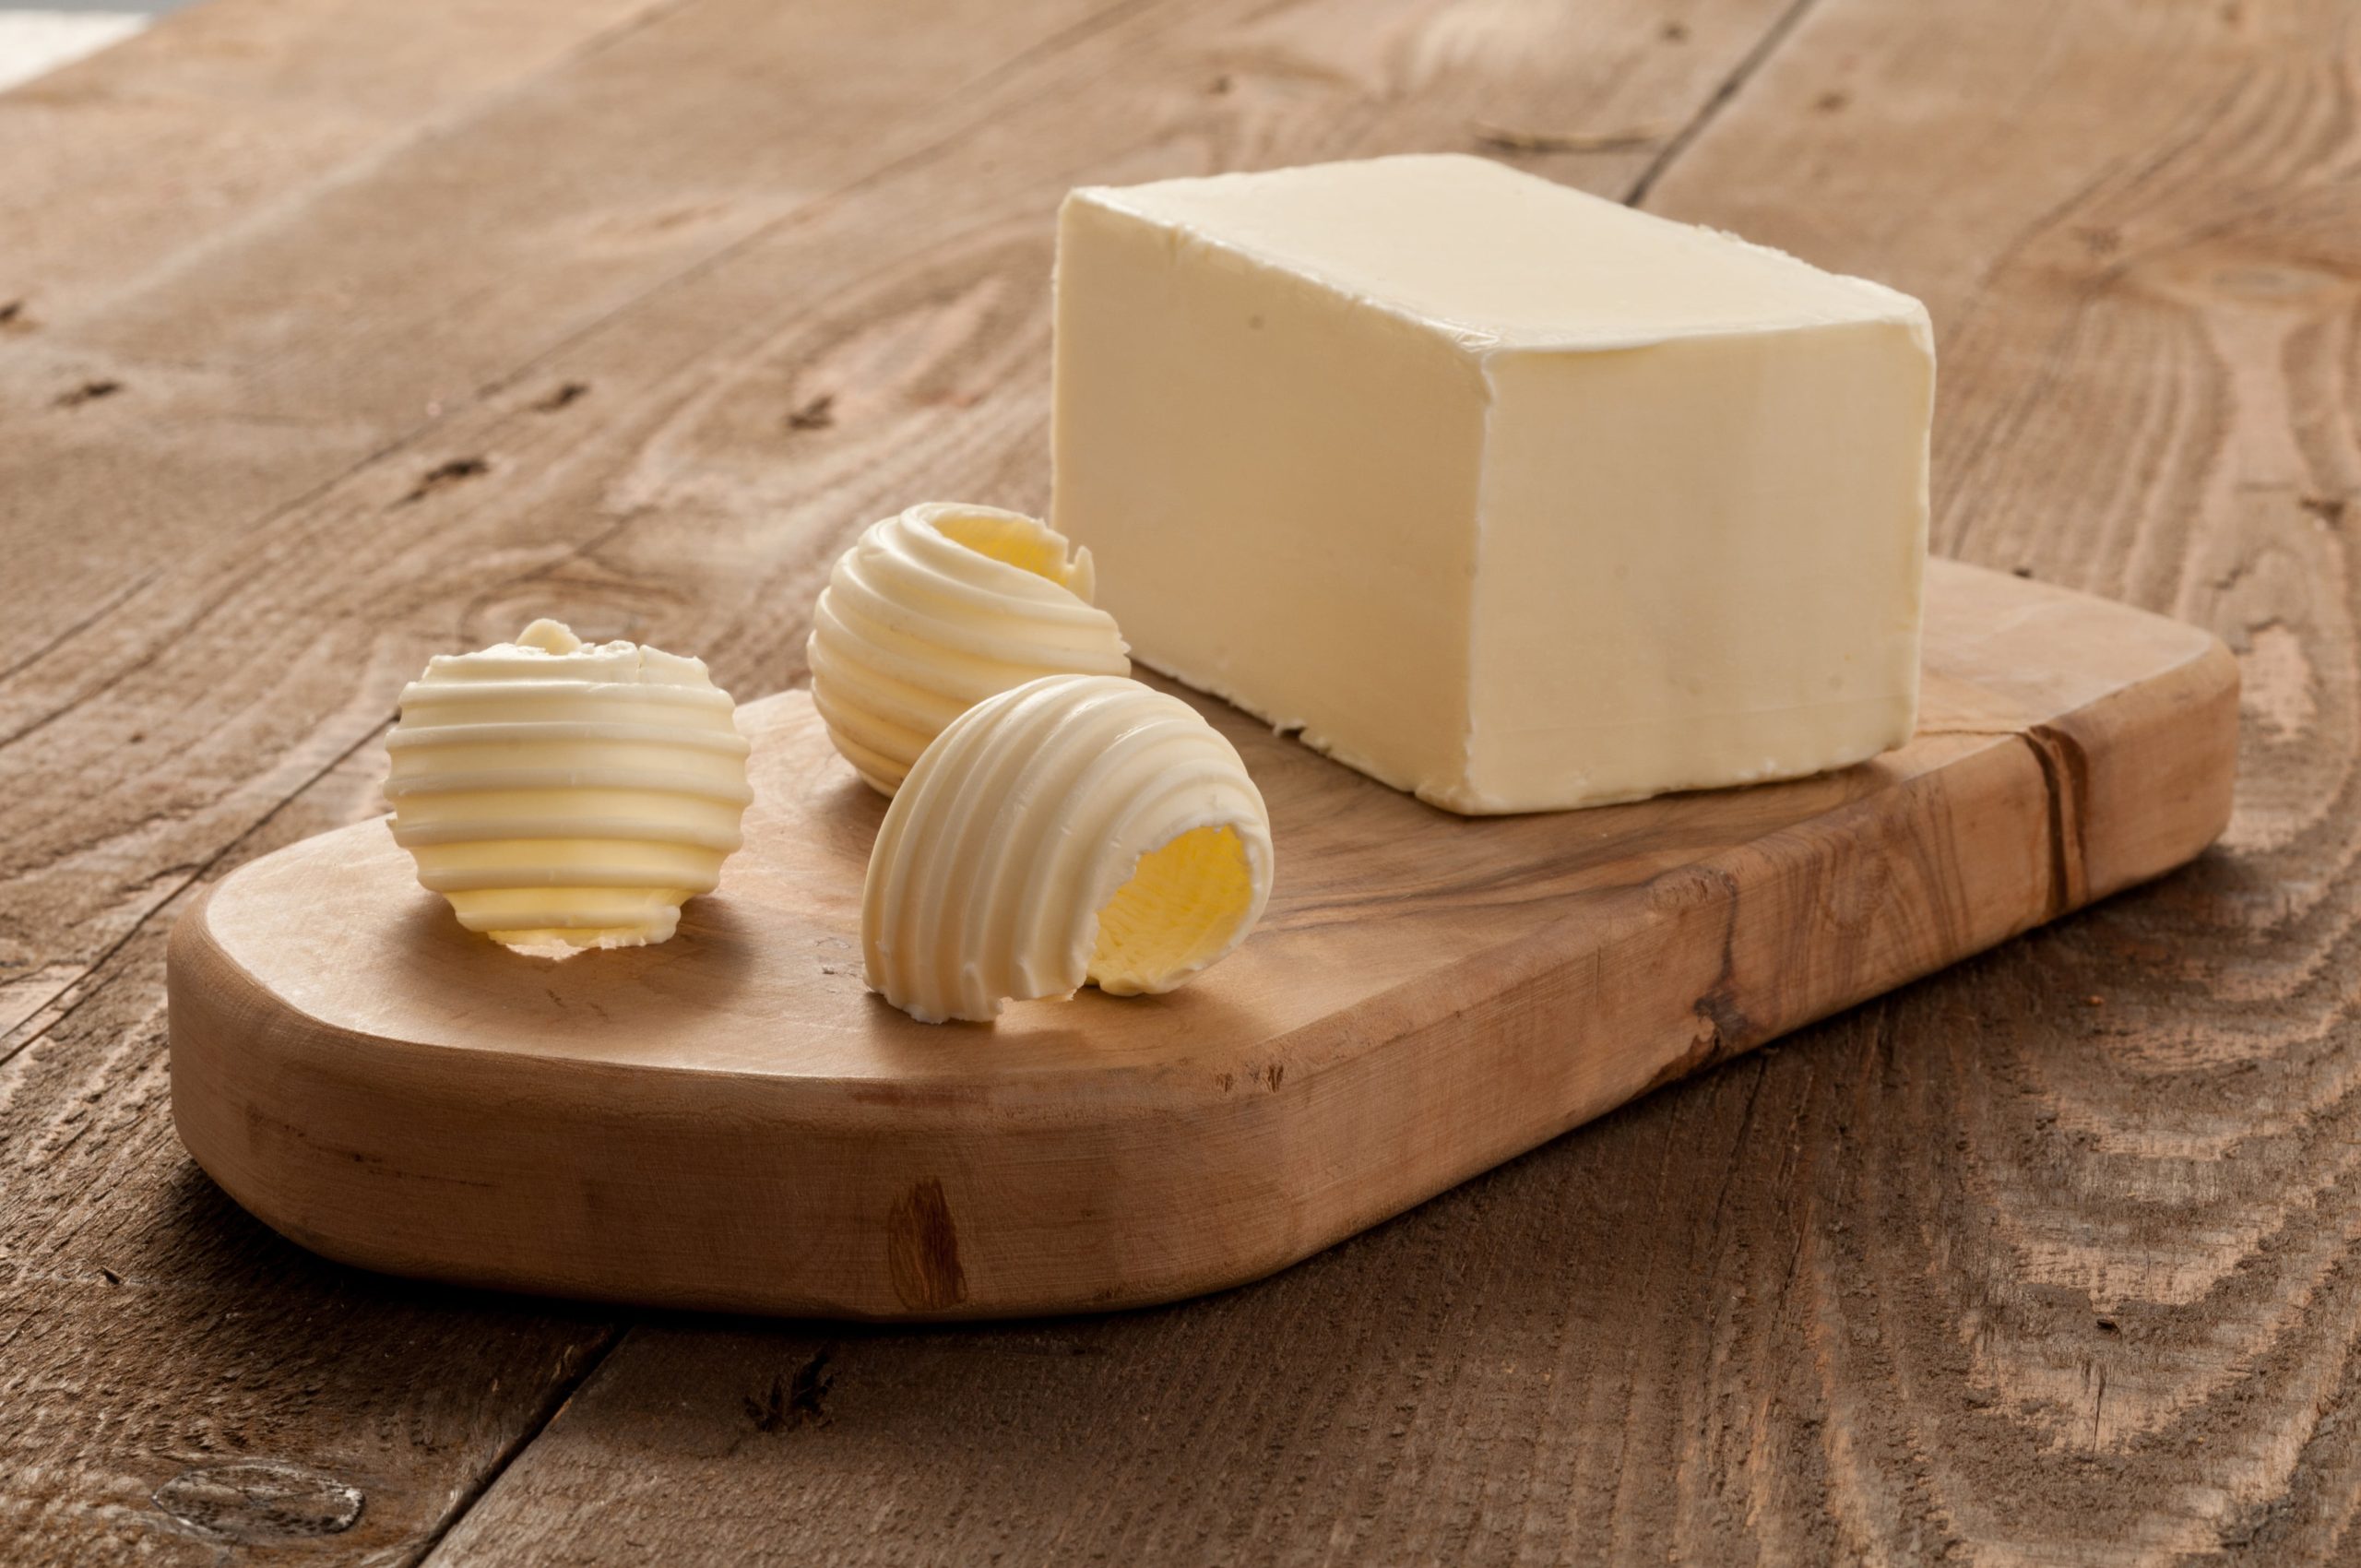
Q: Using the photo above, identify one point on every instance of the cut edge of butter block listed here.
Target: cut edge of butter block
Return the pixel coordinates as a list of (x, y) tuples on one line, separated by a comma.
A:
[(1078, 829)]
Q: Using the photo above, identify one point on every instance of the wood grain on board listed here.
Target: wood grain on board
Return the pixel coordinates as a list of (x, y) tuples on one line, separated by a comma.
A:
[(1991, 1268), (728, 1120)]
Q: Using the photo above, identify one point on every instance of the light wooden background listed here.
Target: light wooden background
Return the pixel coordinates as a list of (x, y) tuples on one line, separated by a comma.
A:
[(335, 334)]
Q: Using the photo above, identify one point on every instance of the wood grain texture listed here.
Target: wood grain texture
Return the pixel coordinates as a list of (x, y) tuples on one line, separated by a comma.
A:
[(1985, 1271), (728, 1121), (210, 613), (113, 169), (179, 1383), (2049, 1260)]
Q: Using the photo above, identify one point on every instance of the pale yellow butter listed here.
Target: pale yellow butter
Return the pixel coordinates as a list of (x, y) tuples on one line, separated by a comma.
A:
[(564, 795), (1076, 828), (1505, 494), (935, 609)]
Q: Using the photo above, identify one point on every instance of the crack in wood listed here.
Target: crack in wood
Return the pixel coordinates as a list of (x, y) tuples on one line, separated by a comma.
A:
[(105, 608), (88, 392), (2065, 777), (794, 1401), (444, 475)]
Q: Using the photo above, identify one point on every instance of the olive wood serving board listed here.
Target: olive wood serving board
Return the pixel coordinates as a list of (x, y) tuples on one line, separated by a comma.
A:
[(730, 1121)]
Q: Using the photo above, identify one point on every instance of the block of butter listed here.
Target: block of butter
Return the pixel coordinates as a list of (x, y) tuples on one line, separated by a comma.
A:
[(1504, 494)]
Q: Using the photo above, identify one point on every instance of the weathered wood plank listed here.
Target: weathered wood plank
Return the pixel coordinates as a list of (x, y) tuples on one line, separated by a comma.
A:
[(2050, 1259), (139, 164), (2137, 1260), (178, 1384), (347, 319), (120, 165)]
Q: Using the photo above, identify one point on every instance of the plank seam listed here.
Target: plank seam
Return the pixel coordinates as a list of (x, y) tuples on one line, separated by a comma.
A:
[(553, 1404), (1753, 60), (163, 646), (194, 877), (78, 627)]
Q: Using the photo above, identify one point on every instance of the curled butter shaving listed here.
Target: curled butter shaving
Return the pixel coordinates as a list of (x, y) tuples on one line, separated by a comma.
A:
[(564, 795), (1076, 828), (934, 610)]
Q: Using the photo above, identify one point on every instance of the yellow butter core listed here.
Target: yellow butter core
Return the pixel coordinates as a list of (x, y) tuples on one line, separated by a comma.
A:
[(1183, 907)]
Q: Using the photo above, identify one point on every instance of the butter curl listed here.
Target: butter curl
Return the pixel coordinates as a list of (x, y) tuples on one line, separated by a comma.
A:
[(562, 795), (938, 607), (1079, 828)]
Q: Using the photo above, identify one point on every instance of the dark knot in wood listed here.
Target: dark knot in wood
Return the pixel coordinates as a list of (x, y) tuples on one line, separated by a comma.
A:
[(922, 1251)]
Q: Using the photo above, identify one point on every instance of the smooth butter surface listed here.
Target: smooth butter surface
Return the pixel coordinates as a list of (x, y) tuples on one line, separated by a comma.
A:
[(1476, 246), (1504, 494)]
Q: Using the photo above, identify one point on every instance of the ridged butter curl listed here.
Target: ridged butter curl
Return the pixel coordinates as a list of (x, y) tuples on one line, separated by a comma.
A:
[(934, 611), (562, 795), (1077, 828)]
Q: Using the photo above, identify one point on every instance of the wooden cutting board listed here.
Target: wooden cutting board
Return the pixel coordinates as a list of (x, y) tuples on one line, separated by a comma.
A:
[(730, 1121)]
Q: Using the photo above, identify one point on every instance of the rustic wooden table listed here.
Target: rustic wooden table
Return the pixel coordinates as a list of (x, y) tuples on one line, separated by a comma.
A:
[(335, 334)]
